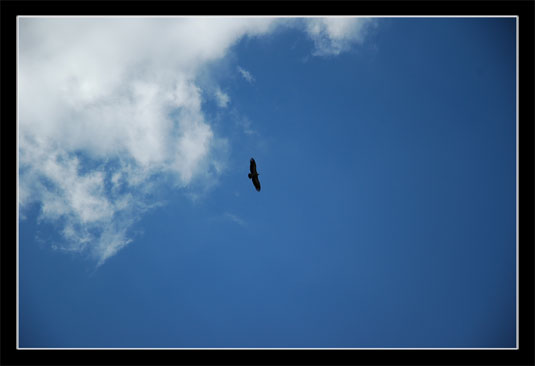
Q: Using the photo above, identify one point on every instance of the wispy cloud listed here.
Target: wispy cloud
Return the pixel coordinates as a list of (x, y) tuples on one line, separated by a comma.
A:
[(110, 111), (235, 219), (246, 74), (222, 98), (334, 35)]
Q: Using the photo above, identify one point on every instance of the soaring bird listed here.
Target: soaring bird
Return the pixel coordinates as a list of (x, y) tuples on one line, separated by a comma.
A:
[(254, 175)]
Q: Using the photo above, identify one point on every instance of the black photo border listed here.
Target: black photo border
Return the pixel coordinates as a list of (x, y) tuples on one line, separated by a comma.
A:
[(524, 355)]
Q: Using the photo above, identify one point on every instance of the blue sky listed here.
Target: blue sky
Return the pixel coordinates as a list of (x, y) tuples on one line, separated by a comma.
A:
[(386, 153)]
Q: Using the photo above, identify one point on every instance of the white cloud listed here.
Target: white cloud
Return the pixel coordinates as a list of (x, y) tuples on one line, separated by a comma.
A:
[(334, 35), (121, 93), (222, 98), (246, 74), (234, 218), (108, 106)]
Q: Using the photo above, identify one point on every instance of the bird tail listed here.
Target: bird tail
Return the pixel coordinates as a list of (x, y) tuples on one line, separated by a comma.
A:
[(249, 175)]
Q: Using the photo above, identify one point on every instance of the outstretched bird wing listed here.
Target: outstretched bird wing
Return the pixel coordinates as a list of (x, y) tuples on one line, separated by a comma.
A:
[(252, 167), (254, 175), (256, 182)]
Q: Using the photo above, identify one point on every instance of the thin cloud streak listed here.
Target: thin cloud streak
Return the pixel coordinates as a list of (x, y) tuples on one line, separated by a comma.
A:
[(235, 219), (246, 75)]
